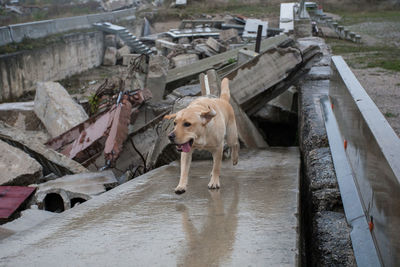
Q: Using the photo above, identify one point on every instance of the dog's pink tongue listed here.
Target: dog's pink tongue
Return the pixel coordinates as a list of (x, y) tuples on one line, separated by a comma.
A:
[(186, 147)]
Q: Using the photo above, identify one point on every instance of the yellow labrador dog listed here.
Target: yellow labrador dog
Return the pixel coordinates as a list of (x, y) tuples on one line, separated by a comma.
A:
[(203, 125)]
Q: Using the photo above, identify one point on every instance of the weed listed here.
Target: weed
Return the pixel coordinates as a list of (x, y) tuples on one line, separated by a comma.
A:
[(386, 57), (94, 103), (391, 115)]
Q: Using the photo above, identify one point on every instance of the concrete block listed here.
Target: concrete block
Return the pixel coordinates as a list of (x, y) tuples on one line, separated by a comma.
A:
[(157, 76), (17, 167), (215, 45), (110, 56), (184, 59), (229, 35), (126, 59), (125, 50), (56, 109), (302, 28), (110, 40)]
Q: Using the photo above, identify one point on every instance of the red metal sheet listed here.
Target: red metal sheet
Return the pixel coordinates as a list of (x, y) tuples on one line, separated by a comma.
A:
[(11, 197)]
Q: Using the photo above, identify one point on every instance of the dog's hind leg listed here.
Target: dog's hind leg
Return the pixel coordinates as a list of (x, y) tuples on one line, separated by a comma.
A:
[(217, 159), (186, 159), (233, 141)]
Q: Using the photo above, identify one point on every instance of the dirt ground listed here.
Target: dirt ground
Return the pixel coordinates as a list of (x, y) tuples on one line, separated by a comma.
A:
[(384, 89), (380, 45)]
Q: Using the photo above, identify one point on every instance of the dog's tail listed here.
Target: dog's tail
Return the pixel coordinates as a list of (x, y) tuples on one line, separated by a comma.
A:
[(225, 93)]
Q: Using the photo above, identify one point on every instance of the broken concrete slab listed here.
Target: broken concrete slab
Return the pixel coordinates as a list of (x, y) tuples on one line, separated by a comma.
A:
[(157, 76), (56, 109), (21, 115), (230, 35), (215, 45), (248, 133), (187, 90), (51, 161), (125, 50), (90, 183), (258, 75), (251, 27), (179, 76), (28, 219), (253, 220), (17, 167), (65, 192), (110, 56), (184, 60)]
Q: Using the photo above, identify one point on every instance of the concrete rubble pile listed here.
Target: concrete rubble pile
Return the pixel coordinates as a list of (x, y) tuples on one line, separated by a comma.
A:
[(72, 153)]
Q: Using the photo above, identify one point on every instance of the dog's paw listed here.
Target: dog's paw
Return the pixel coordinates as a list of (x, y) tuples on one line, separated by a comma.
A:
[(180, 190), (235, 161), (213, 185)]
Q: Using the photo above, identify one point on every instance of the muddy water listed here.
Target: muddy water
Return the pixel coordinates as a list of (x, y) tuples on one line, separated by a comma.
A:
[(251, 220)]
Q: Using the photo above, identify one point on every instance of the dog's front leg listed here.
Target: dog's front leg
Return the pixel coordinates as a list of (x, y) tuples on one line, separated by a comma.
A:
[(217, 159), (186, 159)]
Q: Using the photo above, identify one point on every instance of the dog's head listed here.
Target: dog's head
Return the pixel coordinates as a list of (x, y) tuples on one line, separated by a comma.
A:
[(189, 124)]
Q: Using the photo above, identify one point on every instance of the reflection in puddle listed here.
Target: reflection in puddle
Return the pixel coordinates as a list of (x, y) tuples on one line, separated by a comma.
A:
[(213, 244)]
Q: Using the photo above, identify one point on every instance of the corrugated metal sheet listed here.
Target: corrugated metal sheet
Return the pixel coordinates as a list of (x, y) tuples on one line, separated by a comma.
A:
[(11, 197)]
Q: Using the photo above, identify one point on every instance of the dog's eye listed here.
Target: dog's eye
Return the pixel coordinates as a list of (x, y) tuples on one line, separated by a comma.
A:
[(187, 124), (174, 123)]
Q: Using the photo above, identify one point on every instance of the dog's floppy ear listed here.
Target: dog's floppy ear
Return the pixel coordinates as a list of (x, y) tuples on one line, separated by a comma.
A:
[(170, 116), (208, 115)]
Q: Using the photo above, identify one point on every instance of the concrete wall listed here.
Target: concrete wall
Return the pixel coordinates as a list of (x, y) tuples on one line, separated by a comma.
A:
[(37, 29), (372, 150), (19, 72)]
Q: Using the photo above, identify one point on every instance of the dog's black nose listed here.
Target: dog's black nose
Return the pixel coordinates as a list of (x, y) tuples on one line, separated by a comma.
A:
[(171, 136)]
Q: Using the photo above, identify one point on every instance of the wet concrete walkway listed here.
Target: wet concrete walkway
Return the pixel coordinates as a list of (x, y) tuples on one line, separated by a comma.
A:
[(251, 221)]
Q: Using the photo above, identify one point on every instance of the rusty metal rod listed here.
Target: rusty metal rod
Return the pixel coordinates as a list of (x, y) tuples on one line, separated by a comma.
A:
[(258, 40)]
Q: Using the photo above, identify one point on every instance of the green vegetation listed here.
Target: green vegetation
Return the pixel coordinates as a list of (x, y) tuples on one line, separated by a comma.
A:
[(364, 56), (94, 103), (231, 60), (391, 115), (350, 18), (385, 55), (195, 9)]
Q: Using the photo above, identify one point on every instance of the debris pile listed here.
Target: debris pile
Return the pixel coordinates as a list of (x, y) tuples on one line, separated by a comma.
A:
[(71, 151)]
